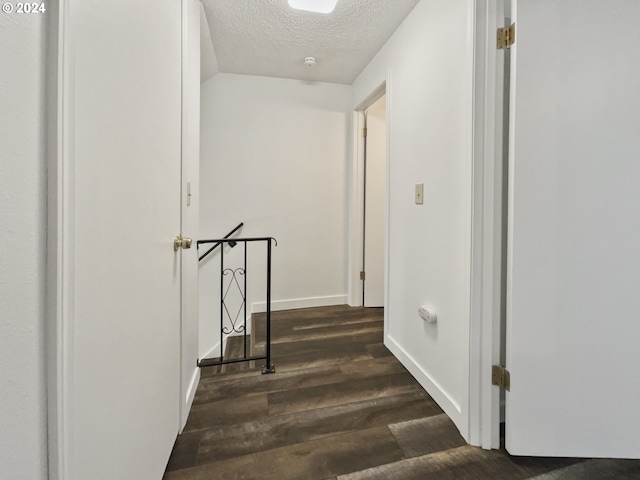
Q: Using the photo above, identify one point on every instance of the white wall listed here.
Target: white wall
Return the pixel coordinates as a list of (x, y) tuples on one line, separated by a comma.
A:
[(23, 448), (275, 154), (429, 65)]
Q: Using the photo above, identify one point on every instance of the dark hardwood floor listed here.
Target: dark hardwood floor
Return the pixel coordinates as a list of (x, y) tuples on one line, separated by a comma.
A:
[(340, 407)]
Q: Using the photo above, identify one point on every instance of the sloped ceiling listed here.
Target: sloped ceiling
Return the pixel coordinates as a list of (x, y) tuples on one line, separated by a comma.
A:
[(269, 38), (208, 61)]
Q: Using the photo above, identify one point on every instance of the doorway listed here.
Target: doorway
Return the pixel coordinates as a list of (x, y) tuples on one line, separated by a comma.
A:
[(369, 201), (374, 201)]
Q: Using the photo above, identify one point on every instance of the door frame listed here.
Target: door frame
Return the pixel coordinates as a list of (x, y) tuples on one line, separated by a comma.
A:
[(189, 207), (488, 223), (60, 230), (356, 214)]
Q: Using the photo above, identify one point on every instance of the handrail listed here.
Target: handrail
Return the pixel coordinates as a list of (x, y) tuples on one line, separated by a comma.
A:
[(231, 244), (238, 240)]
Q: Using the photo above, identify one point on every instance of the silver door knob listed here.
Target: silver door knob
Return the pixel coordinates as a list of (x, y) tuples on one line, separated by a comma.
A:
[(181, 242)]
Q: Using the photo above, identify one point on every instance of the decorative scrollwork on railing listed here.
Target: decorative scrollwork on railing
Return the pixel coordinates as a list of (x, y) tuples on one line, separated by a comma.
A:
[(236, 327)]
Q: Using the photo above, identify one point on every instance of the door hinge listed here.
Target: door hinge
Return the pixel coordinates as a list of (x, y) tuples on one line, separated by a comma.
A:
[(364, 133), (506, 37), (501, 377), (362, 275)]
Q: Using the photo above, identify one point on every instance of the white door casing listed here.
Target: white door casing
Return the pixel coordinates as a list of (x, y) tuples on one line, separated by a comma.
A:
[(488, 225), (115, 378), (357, 194), (573, 261), (190, 201)]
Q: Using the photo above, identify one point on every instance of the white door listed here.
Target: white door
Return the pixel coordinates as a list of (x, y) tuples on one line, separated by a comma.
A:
[(120, 166), (375, 203), (574, 230), (190, 200)]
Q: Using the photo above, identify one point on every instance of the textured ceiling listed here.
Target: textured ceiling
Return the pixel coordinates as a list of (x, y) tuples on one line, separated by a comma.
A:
[(267, 37)]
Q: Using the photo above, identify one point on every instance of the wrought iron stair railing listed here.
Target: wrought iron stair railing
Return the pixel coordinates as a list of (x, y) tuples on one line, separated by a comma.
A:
[(233, 318)]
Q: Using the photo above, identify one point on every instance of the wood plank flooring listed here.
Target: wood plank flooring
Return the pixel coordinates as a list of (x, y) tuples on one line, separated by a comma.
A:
[(340, 407)]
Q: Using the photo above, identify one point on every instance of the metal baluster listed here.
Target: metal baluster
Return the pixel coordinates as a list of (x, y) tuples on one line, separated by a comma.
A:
[(222, 304), (268, 368), (245, 300)]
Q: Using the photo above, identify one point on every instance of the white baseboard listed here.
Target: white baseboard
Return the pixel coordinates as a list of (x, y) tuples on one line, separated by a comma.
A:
[(193, 386), (439, 394), (295, 303), (191, 393)]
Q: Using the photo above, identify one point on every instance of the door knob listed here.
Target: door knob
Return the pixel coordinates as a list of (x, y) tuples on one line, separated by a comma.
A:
[(181, 242)]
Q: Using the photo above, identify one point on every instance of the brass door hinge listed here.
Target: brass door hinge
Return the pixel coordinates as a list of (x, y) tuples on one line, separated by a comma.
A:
[(506, 37), (362, 275), (364, 133), (501, 377)]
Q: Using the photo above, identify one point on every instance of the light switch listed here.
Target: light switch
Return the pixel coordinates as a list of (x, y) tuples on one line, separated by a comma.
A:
[(419, 193)]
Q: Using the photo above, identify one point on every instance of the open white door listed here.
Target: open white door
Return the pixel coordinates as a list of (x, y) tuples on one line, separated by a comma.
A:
[(115, 396), (375, 206), (574, 226)]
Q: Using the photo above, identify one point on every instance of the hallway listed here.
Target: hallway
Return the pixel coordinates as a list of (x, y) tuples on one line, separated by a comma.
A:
[(341, 407)]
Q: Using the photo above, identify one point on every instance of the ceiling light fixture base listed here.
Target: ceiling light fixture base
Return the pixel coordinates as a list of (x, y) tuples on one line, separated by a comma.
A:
[(317, 6)]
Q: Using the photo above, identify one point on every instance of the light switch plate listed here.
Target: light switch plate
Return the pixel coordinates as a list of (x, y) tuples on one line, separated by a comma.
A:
[(419, 193)]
